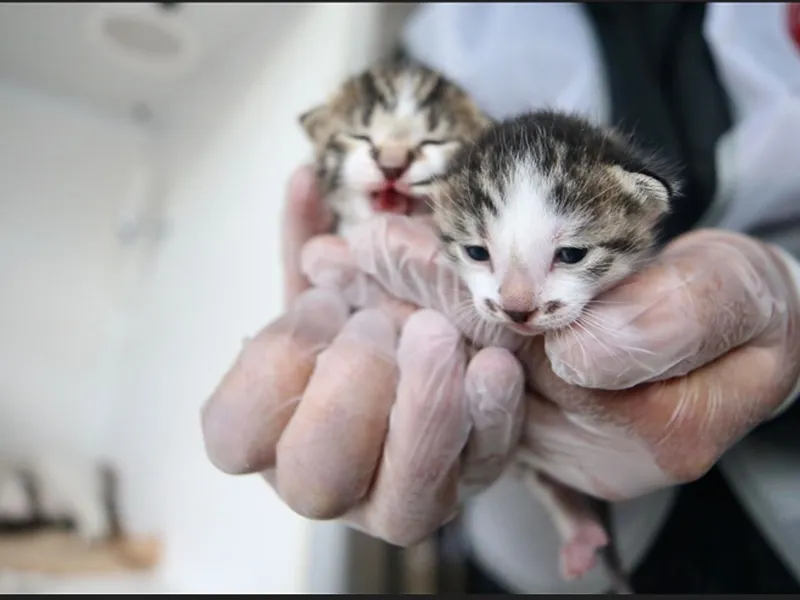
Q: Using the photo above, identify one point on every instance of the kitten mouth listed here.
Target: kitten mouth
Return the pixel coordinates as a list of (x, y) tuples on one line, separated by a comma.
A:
[(524, 329), (389, 200)]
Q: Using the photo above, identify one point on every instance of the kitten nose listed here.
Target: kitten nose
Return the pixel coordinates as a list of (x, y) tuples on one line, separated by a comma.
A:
[(392, 173), (392, 160), (519, 316)]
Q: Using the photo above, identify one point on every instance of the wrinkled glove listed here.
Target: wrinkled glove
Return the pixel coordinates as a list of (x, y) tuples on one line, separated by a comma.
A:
[(378, 417), (675, 365)]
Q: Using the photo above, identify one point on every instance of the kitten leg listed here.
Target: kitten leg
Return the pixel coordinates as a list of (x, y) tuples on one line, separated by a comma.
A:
[(578, 525)]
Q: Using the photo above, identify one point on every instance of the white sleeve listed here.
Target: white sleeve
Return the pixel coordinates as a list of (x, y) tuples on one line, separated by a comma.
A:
[(756, 48), (513, 57), (793, 266)]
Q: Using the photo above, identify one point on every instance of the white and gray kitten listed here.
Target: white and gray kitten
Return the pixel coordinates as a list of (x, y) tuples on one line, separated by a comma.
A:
[(543, 213), (385, 132)]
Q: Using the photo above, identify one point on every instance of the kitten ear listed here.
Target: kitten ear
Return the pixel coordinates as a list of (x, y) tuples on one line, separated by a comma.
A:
[(653, 193), (316, 122)]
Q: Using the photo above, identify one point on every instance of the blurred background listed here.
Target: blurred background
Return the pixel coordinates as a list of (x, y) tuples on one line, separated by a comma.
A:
[(144, 150)]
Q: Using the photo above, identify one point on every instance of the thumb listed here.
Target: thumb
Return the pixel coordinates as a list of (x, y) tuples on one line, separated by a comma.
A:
[(305, 215)]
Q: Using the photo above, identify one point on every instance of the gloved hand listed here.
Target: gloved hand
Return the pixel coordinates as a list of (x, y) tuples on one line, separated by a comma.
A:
[(378, 418), (674, 366)]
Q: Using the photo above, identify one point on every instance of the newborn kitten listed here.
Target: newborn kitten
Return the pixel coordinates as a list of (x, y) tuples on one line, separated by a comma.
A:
[(383, 133), (543, 213)]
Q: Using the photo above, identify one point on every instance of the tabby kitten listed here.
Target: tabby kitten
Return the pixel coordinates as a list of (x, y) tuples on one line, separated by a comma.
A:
[(383, 133)]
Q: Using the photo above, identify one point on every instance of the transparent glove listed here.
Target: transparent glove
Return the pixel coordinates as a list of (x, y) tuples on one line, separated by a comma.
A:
[(376, 417), (674, 366)]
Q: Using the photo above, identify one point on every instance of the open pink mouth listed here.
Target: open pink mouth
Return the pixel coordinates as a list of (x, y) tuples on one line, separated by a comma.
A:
[(389, 200)]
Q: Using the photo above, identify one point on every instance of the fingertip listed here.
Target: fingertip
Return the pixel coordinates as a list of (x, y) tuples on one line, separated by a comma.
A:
[(494, 376), (494, 391), (496, 363), (319, 314), (426, 336), (374, 327), (305, 212), (302, 186), (304, 216), (326, 261)]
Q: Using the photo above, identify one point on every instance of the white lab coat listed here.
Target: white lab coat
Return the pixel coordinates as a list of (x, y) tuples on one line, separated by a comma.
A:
[(514, 57)]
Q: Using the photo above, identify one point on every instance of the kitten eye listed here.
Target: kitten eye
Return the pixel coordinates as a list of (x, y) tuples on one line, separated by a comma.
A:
[(431, 143), (359, 138), (570, 256), (477, 253)]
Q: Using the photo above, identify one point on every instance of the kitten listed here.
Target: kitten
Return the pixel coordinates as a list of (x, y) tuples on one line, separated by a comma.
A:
[(544, 213), (541, 215), (385, 132)]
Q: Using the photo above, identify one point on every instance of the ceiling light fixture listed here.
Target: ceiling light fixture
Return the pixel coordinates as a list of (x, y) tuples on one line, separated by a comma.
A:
[(144, 38)]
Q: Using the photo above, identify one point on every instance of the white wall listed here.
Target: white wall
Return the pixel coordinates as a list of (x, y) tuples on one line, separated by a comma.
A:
[(111, 349), (215, 281), (63, 177)]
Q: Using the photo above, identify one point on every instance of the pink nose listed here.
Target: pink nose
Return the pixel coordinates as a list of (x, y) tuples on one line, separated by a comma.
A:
[(392, 160), (392, 173), (519, 316)]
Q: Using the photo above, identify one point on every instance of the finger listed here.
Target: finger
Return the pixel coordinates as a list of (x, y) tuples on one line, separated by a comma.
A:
[(305, 215), (709, 292), (328, 262), (494, 386), (704, 411), (245, 416), (416, 488), (328, 453), (711, 408), (403, 256)]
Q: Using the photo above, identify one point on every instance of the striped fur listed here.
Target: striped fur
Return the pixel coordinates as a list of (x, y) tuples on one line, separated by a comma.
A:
[(397, 110), (534, 185)]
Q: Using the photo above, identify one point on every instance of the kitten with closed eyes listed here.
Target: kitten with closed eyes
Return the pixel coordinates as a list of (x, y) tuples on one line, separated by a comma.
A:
[(541, 215), (385, 132)]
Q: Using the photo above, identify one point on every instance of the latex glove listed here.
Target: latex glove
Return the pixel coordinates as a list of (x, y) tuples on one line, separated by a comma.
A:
[(717, 314), (377, 418)]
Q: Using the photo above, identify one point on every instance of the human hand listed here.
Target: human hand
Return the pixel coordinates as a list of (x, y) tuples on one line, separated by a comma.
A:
[(665, 373), (377, 418)]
